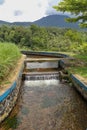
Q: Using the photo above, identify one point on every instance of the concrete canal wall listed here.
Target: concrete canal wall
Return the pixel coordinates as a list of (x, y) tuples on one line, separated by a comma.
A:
[(55, 54), (9, 95), (78, 84)]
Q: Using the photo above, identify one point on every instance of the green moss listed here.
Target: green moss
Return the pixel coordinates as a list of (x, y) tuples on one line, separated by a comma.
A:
[(12, 122)]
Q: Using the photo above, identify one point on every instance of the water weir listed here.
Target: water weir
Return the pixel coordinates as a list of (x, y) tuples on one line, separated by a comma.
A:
[(44, 102)]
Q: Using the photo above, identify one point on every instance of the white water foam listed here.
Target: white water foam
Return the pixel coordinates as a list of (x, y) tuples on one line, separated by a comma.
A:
[(41, 83)]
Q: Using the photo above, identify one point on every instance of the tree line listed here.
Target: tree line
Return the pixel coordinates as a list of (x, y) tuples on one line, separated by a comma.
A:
[(44, 38)]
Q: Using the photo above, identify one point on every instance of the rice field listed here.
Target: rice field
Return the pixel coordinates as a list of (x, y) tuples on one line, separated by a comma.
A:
[(9, 54)]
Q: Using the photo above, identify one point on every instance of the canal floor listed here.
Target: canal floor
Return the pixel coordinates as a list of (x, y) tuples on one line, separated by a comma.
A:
[(47, 105)]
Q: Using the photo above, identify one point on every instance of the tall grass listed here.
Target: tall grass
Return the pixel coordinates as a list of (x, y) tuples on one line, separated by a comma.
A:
[(9, 54)]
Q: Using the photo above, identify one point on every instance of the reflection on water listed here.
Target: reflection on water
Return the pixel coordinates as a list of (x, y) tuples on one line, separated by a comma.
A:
[(47, 105)]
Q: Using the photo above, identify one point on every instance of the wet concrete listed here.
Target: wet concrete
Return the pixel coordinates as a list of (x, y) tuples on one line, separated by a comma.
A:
[(48, 105)]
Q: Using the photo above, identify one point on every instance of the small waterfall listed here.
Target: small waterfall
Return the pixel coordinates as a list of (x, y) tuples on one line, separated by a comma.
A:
[(41, 83), (42, 76), (41, 69)]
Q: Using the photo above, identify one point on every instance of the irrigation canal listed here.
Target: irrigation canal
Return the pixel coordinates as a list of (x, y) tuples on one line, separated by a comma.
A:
[(45, 103)]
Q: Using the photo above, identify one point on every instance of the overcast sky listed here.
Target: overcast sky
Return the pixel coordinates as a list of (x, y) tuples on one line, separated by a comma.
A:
[(26, 10)]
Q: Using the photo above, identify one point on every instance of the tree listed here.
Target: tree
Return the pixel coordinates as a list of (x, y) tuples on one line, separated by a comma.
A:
[(74, 36), (76, 7)]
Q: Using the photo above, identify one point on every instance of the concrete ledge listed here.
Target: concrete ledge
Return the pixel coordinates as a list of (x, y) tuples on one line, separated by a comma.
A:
[(9, 97), (4, 95), (79, 85), (45, 54)]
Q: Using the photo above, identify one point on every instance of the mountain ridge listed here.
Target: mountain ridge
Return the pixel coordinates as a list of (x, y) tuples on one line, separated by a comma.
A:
[(48, 21)]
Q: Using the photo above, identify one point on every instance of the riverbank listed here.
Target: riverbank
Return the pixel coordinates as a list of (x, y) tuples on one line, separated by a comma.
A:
[(9, 92), (7, 82), (79, 67), (9, 55), (11, 68)]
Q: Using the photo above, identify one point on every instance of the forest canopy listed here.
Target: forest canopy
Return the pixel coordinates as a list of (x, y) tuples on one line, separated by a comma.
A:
[(45, 38)]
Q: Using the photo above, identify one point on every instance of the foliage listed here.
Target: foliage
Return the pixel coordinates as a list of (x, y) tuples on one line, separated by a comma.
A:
[(38, 39), (77, 7), (9, 54), (82, 57), (44, 38), (82, 49), (79, 65)]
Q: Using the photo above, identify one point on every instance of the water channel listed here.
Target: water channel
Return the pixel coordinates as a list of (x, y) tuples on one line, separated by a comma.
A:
[(46, 103)]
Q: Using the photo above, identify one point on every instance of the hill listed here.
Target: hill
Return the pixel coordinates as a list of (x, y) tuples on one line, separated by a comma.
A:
[(56, 21), (48, 21)]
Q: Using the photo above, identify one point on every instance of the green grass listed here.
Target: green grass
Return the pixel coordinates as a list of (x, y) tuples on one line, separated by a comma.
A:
[(81, 57), (82, 71), (9, 54)]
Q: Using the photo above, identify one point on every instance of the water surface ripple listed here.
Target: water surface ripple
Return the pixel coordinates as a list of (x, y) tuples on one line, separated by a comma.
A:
[(48, 105)]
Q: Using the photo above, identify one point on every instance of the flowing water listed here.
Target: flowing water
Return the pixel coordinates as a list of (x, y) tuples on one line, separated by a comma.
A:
[(40, 76), (47, 104), (45, 64)]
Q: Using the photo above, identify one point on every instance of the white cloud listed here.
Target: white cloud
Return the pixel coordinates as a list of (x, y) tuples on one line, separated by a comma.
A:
[(17, 13), (50, 10), (24, 10)]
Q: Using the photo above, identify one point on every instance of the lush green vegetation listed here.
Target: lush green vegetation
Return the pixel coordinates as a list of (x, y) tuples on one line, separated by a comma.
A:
[(79, 9), (82, 57), (80, 65), (45, 38), (9, 54), (41, 39)]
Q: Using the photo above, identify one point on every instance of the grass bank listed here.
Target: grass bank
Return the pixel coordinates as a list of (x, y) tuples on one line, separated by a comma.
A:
[(80, 65), (9, 55)]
